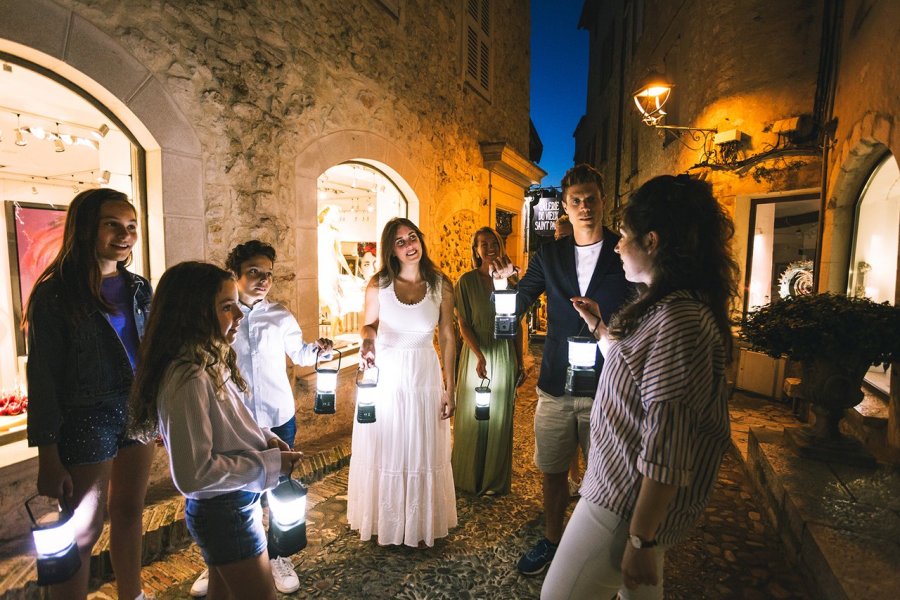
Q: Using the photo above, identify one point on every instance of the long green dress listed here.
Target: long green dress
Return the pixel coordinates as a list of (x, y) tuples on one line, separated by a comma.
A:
[(482, 450)]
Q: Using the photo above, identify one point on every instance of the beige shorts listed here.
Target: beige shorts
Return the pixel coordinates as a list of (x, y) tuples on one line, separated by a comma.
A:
[(561, 424)]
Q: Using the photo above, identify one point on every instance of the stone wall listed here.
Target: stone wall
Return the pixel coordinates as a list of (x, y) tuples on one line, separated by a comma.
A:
[(260, 81), (735, 65)]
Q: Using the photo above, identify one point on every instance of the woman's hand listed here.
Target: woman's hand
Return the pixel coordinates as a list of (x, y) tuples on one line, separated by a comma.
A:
[(54, 479), (639, 567), (448, 406), (288, 460), (481, 366), (589, 310), (520, 376), (367, 353)]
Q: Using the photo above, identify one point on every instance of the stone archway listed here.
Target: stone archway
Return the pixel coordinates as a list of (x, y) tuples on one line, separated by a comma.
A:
[(864, 146), (65, 43), (324, 153)]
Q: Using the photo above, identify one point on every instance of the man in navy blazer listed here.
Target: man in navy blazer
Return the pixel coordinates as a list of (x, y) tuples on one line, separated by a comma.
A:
[(583, 264)]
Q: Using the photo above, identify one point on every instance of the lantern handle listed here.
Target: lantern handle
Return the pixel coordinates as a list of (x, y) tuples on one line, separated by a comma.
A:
[(319, 355), (63, 505), (488, 379), (361, 371)]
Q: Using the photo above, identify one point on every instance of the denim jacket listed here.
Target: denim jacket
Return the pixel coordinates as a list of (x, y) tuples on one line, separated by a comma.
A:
[(75, 367)]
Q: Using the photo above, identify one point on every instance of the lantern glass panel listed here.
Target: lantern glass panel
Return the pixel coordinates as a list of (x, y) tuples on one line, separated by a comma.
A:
[(287, 513), (482, 396), (582, 352), (326, 381), (505, 302), (54, 540)]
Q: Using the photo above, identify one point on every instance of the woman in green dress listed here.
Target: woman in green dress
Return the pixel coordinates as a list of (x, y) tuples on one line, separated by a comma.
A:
[(482, 450)]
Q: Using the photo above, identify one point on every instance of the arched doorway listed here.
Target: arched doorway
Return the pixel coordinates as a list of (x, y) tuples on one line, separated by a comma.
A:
[(355, 200)]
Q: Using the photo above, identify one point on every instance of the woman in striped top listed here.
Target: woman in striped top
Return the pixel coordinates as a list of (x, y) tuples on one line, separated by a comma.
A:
[(659, 425)]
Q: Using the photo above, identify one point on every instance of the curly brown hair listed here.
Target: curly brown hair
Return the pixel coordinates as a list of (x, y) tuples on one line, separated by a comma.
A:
[(693, 253), (182, 327)]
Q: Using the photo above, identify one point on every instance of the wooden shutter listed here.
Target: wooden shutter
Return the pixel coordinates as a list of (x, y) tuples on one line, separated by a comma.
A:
[(478, 45)]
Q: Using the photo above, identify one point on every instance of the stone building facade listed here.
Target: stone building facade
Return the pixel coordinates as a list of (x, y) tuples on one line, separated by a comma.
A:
[(786, 108), (237, 108)]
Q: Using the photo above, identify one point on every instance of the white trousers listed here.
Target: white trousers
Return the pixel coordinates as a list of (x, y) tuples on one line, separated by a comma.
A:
[(587, 565)]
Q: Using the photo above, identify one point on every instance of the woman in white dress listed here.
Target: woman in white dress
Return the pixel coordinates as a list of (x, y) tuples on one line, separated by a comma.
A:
[(401, 483)]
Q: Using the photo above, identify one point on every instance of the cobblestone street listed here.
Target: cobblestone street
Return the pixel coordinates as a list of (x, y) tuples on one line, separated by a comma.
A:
[(733, 553)]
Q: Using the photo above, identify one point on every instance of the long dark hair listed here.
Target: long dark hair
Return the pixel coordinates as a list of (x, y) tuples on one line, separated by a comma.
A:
[(390, 264), (693, 251), (76, 267), (182, 326)]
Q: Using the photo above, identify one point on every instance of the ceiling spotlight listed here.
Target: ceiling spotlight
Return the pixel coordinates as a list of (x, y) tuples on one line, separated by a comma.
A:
[(58, 144), (100, 132), (34, 190), (20, 135), (104, 177)]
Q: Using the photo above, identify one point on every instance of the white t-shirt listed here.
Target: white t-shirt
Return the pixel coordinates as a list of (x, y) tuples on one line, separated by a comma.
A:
[(585, 261)]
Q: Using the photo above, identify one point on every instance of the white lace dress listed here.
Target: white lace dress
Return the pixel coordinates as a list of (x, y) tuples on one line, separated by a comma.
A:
[(401, 484)]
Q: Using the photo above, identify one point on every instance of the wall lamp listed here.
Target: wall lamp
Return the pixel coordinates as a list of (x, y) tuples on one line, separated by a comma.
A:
[(651, 96)]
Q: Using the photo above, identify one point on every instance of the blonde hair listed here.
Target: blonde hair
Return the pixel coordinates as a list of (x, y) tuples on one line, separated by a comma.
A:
[(476, 260)]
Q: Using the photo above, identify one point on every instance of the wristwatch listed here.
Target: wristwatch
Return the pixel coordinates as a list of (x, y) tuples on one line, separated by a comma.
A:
[(639, 543)]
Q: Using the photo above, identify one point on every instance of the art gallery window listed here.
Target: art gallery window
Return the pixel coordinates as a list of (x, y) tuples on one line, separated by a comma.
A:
[(355, 200), (55, 141), (873, 254), (781, 248)]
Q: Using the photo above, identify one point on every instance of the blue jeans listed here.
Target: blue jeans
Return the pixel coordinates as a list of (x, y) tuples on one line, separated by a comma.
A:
[(227, 528), (287, 431)]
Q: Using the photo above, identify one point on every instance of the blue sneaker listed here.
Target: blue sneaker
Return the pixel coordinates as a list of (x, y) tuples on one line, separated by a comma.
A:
[(536, 560)]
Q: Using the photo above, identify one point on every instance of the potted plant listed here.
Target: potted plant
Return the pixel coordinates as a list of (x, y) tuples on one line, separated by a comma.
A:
[(836, 339)]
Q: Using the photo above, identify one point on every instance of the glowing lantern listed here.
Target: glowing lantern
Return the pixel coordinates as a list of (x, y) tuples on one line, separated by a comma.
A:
[(326, 386), (483, 401), (57, 553), (581, 378), (287, 517), (366, 392)]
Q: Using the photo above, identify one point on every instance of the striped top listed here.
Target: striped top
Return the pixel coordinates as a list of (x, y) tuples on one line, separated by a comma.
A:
[(661, 411)]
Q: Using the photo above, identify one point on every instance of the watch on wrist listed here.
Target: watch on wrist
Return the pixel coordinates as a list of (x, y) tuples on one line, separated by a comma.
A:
[(638, 543)]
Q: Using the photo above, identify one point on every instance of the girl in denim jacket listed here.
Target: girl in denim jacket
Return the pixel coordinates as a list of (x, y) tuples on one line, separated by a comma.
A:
[(85, 319)]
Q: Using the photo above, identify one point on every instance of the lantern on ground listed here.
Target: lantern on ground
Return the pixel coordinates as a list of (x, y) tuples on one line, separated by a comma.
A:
[(483, 401), (54, 540), (287, 518), (326, 386), (581, 378), (366, 391)]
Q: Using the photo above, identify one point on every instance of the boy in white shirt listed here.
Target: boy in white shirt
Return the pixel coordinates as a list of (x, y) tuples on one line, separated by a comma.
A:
[(267, 332)]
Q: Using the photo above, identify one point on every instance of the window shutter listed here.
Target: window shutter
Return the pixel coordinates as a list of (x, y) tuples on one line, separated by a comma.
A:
[(478, 45)]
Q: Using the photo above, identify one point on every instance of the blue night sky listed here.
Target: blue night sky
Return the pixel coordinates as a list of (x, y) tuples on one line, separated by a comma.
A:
[(559, 55)]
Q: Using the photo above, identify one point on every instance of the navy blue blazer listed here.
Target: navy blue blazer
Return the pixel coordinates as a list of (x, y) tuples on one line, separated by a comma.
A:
[(552, 270)]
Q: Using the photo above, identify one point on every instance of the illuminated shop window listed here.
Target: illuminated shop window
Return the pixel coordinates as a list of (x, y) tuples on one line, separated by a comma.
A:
[(54, 143), (355, 200), (782, 249), (873, 262)]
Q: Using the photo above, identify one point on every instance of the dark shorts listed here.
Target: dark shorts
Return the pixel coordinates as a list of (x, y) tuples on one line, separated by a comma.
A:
[(287, 431), (227, 528), (93, 434)]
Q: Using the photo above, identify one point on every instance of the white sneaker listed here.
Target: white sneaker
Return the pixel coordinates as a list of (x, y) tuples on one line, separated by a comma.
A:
[(286, 580), (200, 587)]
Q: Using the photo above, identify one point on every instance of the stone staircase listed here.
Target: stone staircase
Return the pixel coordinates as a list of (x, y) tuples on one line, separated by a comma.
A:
[(163, 527)]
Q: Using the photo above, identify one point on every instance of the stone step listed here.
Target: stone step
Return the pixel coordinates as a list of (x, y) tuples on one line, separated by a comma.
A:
[(163, 528)]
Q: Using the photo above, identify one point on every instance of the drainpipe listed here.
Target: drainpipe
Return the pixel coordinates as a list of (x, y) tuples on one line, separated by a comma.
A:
[(620, 120), (826, 84)]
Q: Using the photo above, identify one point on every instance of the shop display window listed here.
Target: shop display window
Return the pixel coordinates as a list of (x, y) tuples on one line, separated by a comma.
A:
[(55, 142), (873, 256), (355, 200), (782, 248)]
